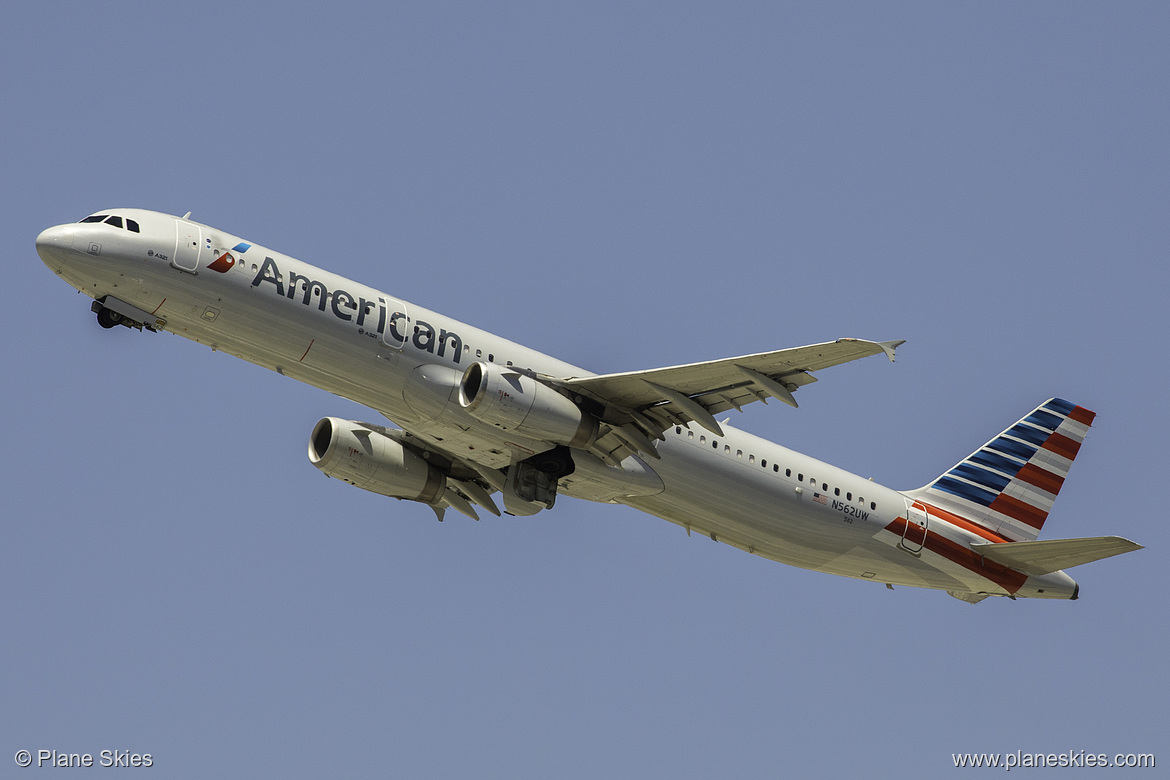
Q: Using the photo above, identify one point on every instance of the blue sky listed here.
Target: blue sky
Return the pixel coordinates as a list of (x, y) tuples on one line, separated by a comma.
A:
[(624, 186)]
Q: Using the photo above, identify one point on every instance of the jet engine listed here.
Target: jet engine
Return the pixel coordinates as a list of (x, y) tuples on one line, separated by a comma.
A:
[(364, 458), (512, 401)]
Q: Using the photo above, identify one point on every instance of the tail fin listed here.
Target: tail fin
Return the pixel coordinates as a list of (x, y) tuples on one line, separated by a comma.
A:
[(1009, 484)]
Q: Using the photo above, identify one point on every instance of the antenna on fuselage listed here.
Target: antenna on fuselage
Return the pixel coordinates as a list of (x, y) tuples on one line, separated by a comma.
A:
[(187, 215)]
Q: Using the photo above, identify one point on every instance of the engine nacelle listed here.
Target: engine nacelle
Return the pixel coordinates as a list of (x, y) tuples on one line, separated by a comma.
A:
[(364, 458), (514, 402)]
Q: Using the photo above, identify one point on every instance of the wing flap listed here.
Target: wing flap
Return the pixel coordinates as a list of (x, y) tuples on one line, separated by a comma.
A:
[(1045, 557)]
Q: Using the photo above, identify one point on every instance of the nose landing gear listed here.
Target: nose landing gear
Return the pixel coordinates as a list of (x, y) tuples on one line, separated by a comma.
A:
[(108, 318), (112, 312)]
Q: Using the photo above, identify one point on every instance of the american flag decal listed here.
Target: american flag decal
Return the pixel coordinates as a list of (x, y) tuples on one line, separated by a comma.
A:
[(821, 498)]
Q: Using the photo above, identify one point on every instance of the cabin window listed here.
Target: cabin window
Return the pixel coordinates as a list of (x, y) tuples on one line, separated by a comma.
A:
[(751, 458), (715, 445), (800, 477), (727, 448), (738, 453), (702, 440), (872, 505), (690, 434), (825, 486), (677, 430), (763, 463), (787, 472), (776, 467), (491, 358), (848, 496), (836, 491)]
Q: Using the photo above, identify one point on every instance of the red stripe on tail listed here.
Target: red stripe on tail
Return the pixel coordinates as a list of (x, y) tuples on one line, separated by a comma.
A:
[(1062, 445), (1018, 510), (1041, 478)]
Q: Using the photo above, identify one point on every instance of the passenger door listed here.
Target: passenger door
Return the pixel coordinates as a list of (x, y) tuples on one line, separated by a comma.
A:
[(188, 243), (396, 330), (917, 524)]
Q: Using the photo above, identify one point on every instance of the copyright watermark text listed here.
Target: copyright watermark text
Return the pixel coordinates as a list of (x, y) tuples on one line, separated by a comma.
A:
[(106, 758), (1070, 758)]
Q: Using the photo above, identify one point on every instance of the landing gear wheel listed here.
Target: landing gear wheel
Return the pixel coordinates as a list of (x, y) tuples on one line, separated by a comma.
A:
[(108, 318), (557, 462)]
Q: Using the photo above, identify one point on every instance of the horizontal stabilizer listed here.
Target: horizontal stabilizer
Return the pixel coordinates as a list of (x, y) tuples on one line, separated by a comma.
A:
[(1054, 554)]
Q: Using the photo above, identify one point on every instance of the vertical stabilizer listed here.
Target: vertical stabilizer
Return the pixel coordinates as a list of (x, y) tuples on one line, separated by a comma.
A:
[(1009, 484)]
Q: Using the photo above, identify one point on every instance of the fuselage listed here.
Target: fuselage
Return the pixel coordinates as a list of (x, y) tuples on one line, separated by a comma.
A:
[(400, 359)]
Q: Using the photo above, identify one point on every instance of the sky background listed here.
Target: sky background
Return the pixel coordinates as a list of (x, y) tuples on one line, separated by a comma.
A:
[(625, 186)]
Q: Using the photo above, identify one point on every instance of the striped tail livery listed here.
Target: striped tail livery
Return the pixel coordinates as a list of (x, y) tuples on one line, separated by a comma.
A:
[(1002, 494)]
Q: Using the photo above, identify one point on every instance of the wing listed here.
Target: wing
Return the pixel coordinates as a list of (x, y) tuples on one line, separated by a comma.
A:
[(638, 406)]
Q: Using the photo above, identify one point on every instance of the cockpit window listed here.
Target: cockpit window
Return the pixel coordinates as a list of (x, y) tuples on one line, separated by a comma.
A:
[(113, 220)]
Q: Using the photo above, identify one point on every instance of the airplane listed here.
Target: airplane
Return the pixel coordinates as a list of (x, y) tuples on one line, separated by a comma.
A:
[(476, 416)]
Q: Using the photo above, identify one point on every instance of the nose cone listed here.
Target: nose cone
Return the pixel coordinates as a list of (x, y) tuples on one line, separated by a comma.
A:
[(54, 244)]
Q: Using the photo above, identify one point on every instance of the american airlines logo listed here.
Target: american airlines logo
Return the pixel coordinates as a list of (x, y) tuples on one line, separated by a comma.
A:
[(356, 309), (223, 263)]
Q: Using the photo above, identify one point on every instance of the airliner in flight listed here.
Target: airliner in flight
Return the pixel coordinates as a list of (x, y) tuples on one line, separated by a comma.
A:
[(479, 418)]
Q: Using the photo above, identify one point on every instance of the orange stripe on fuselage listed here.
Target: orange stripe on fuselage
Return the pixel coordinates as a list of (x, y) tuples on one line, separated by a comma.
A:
[(961, 522)]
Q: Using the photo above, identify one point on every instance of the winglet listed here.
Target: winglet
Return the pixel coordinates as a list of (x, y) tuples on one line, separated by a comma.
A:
[(889, 346)]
